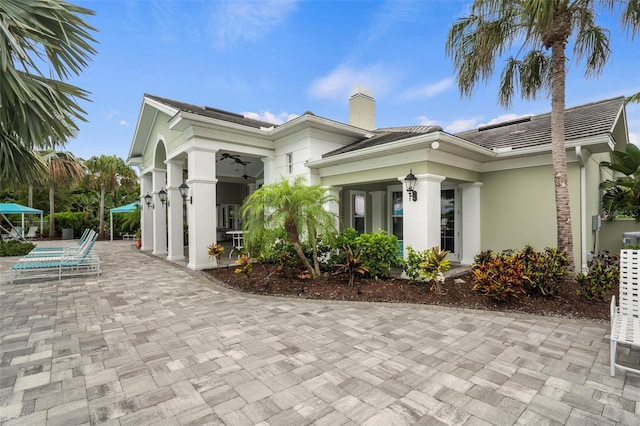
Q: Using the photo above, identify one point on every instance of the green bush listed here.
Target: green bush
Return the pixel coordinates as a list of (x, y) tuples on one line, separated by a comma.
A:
[(15, 248), (378, 252), (411, 265), (604, 272), (499, 276), (544, 272)]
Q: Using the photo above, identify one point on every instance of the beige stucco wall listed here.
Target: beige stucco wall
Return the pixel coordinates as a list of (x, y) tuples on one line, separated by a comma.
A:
[(610, 235), (518, 208)]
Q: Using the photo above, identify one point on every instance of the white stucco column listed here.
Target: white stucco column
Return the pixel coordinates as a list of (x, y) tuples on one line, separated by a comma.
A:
[(202, 211), (377, 210), (175, 211), (334, 206), (268, 170), (159, 179), (471, 240), (146, 213), (421, 218)]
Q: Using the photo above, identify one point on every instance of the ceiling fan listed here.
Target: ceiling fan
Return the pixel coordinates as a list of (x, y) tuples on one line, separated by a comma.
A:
[(245, 176), (233, 157)]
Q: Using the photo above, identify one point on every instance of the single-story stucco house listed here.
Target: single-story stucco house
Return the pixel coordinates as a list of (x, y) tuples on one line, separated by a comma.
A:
[(488, 188)]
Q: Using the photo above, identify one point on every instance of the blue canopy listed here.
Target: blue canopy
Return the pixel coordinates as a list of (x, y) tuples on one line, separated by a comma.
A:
[(13, 208), (122, 209)]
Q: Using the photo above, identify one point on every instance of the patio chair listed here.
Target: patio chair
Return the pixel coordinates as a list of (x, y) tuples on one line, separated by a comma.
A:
[(82, 239), (625, 318), (86, 245), (13, 234), (81, 263), (32, 233)]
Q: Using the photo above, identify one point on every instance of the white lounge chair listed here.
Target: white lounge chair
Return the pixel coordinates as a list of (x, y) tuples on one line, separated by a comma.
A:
[(32, 233), (625, 318), (80, 262)]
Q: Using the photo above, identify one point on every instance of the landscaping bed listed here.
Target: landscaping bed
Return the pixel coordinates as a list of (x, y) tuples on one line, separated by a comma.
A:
[(458, 293)]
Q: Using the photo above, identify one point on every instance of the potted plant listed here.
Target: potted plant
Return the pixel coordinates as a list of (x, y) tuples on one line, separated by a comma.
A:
[(138, 239)]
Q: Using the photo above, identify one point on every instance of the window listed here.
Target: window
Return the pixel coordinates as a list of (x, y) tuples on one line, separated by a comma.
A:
[(396, 214), (358, 209), (290, 162)]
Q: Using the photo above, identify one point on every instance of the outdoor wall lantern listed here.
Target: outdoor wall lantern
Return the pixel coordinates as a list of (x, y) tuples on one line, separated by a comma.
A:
[(411, 181), (163, 197), (184, 192), (147, 200)]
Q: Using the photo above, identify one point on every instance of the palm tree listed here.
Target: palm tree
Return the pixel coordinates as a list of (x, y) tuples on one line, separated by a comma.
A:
[(623, 194), (294, 206), (63, 168), (534, 28), (41, 44), (106, 174)]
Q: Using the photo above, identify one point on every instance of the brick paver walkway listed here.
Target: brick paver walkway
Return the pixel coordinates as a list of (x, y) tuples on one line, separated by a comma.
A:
[(149, 342)]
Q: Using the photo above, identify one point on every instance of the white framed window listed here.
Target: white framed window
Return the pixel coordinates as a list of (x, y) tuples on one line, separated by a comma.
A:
[(289, 164), (358, 210)]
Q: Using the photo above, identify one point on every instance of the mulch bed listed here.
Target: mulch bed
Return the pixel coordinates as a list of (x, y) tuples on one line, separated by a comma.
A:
[(458, 292)]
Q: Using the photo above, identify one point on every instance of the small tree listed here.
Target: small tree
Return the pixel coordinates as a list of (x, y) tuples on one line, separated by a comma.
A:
[(622, 196), (296, 207)]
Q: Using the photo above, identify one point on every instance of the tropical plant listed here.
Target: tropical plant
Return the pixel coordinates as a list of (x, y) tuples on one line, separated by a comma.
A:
[(215, 250), (296, 207), (604, 272), (108, 173), (245, 266), (539, 32), (42, 43), (62, 169), (622, 196), (379, 252), (434, 267), (352, 266)]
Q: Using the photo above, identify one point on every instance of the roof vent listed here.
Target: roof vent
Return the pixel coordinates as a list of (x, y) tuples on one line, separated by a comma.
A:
[(505, 123)]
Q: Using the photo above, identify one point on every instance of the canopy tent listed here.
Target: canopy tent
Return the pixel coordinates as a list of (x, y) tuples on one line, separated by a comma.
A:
[(122, 209), (13, 208)]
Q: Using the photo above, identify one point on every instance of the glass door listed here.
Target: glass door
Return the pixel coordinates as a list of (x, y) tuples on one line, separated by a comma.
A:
[(448, 221)]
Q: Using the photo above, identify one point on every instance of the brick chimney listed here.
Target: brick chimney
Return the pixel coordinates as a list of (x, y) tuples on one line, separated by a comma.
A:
[(362, 108)]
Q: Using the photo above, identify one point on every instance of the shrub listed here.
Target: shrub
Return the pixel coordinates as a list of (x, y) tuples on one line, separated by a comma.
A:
[(215, 250), (544, 272), (604, 272), (428, 265), (352, 266), (15, 248), (500, 276), (411, 265), (379, 253), (245, 265)]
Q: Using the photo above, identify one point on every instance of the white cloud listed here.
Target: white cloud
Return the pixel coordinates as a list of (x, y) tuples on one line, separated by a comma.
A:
[(339, 82), (634, 138), (237, 21), (428, 90), (270, 117), (423, 120), (461, 124), (123, 123)]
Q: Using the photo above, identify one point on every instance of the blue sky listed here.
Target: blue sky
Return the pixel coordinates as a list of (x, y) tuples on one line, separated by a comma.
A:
[(274, 60)]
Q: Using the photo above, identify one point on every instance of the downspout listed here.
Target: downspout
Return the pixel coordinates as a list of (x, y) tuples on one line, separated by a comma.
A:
[(583, 209)]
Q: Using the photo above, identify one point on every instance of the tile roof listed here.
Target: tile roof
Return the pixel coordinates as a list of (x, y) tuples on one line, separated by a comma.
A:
[(582, 121), (215, 113), (383, 136)]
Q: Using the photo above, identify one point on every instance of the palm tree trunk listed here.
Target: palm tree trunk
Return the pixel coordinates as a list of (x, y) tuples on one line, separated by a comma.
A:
[(292, 233), (558, 151), (102, 195), (52, 212)]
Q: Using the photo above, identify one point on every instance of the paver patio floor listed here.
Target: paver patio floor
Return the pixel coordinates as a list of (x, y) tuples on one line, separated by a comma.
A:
[(150, 342)]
